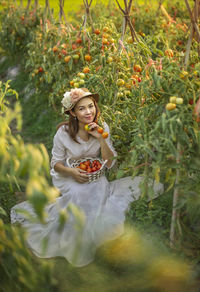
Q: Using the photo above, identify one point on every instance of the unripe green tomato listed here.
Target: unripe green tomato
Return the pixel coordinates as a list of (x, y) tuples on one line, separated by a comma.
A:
[(76, 84), (127, 92), (179, 100), (120, 82), (75, 57), (82, 82), (81, 75), (109, 60), (173, 99), (120, 94)]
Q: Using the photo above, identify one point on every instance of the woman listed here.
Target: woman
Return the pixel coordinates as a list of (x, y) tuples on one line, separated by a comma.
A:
[(100, 205)]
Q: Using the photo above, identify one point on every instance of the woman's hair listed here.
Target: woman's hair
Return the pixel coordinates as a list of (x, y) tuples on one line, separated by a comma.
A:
[(71, 126)]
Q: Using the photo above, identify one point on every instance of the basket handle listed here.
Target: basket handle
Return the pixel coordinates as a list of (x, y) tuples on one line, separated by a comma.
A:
[(67, 162), (104, 164)]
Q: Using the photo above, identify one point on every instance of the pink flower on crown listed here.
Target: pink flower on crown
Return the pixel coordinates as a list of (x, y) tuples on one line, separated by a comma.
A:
[(76, 94)]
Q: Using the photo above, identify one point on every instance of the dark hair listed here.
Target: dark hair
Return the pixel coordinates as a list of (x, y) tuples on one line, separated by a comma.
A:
[(71, 126)]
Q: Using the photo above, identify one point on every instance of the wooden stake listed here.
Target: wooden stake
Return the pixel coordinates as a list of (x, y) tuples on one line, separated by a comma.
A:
[(188, 48), (127, 20), (175, 200), (193, 20), (28, 4)]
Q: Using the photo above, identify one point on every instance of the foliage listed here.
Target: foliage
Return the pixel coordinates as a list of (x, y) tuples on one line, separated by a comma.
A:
[(18, 23), (148, 98), (21, 165)]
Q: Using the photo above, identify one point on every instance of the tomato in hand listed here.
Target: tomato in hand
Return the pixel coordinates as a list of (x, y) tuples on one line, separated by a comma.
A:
[(86, 127), (104, 135), (100, 130)]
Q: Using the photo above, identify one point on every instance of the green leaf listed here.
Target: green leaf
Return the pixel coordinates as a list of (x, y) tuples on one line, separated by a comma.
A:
[(2, 211)]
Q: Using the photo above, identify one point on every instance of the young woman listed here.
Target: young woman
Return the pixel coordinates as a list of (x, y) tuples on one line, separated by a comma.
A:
[(101, 204)]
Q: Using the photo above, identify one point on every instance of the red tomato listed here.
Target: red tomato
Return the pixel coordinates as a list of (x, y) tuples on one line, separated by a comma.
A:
[(87, 163), (94, 169)]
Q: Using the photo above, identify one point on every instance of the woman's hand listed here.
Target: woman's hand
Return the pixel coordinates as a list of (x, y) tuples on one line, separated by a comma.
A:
[(94, 130), (79, 175)]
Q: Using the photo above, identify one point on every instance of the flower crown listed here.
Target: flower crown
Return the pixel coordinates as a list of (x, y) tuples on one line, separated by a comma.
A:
[(72, 97)]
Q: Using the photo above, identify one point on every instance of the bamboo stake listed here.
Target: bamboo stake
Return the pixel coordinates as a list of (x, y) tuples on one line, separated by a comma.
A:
[(175, 212), (36, 4), (124, 25), (126, 13), (28, 4), (47, 6), (165, 13), (188, 48), (87, 14), (159, 6), (193, 20)]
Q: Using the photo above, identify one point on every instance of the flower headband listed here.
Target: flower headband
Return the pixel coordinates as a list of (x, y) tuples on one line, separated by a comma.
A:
[(72, 97)]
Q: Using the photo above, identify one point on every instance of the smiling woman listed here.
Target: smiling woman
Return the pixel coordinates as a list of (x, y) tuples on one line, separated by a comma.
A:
[(95, 209)]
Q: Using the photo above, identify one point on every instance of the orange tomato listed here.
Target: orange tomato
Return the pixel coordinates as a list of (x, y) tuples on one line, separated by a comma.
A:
[(97, 31), (86, 70), (55, 49), (100, 130), (78, 40), (67, 59), (104, 135), (137, 68), (88, 58), (169, 53), (82, 166)]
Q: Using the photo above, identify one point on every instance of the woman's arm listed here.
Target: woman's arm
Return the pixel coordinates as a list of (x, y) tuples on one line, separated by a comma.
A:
[(106, 152), (63, 170), (78, 174), (59, 158)]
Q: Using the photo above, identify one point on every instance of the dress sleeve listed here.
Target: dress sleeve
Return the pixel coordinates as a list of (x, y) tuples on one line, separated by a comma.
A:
[(58, 150), (110, 144)]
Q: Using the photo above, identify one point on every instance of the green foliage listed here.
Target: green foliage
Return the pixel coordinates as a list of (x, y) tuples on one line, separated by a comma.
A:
[(18, 23), (19, 270), (150, 139)]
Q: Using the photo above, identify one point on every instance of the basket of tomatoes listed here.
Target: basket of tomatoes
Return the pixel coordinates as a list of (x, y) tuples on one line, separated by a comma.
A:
[(94, 167)]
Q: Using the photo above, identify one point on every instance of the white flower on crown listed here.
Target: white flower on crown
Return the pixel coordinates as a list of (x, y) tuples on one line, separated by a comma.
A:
[(67, 101)]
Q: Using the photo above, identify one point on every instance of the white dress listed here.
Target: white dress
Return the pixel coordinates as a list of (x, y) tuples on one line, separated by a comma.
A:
[(102, 204)]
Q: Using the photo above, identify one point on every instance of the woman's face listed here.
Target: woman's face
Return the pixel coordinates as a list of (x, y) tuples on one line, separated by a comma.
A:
[(85, 110)]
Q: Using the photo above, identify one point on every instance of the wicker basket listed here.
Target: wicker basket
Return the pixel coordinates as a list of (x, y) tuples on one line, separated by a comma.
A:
[(93, 176)]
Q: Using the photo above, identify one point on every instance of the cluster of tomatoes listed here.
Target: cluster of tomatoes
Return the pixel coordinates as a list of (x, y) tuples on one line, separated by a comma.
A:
[(90, 166), (99, 130)]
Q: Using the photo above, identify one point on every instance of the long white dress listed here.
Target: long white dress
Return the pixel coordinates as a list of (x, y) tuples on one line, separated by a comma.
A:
[(102, 204)]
